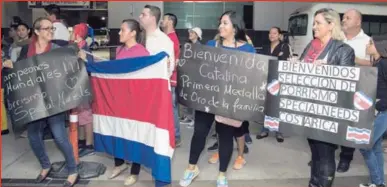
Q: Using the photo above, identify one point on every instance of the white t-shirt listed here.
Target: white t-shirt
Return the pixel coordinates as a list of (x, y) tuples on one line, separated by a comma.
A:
[(61, 32), (359, 45), (157, 42)]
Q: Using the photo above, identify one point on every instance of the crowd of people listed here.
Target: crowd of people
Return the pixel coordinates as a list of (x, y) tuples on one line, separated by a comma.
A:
[(336, 42)]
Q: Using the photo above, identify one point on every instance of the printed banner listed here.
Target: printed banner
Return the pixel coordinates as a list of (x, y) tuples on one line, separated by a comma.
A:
[(328, 103)]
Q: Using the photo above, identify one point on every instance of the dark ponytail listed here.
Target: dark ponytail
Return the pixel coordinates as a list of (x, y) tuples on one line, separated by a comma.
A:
[(141, 37), (278, 30), (134, 25)]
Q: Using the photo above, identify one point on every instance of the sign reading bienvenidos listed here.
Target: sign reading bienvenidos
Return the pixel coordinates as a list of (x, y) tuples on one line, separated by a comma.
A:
[(328, 103), (225, 82)]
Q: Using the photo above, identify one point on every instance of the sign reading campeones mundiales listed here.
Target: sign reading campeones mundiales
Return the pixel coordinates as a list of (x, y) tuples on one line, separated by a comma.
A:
[(45, 85)]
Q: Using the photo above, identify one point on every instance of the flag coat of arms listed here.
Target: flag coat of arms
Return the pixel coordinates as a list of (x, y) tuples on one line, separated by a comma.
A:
[(274, 87), (358, 135), (362, 101), (132, 112), (271, 123)]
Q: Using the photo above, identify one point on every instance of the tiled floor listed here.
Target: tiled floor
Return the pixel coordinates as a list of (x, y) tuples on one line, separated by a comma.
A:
[(269, 164)]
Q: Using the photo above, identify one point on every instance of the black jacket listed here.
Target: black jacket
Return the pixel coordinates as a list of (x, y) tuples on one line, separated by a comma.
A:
[(381, 92), (338, 52), (282, 51), (24, 51)]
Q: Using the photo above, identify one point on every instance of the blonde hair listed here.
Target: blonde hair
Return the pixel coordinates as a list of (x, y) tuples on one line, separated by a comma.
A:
[(332, 17)]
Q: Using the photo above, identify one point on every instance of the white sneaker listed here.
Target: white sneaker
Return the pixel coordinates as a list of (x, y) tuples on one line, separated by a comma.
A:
[(222, 181), (118, 170), (189, 176), (371, 185), (132, 179), (187, 121)]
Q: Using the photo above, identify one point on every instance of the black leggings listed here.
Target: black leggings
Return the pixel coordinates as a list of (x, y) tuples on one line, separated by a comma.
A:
[(323, 166), (244, 129), (226, 136), (239, 132), (134, 170), (226, 133), (246, 126), (346, 154)]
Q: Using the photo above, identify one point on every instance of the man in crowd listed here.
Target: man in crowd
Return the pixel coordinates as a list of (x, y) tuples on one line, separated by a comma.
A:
[(168, 25), (61, 33), (358, 40), (355, 36), (156, 42)]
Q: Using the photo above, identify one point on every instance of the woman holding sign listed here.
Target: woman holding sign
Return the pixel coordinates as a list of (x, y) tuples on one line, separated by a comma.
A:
[(326, 48), (374, 157), (232, 37), (41, 43)]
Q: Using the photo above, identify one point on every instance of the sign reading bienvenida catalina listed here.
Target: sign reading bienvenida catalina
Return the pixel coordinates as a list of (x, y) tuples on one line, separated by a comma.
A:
[(328, 103), (225, 82)]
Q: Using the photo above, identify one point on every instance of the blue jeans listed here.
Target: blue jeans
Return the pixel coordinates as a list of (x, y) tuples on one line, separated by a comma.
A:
[(59, 131), (374, 157), (176, 119)]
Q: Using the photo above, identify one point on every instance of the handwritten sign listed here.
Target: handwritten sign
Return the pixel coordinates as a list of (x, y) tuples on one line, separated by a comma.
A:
[(328, 103), (45, 85), (229, 83)]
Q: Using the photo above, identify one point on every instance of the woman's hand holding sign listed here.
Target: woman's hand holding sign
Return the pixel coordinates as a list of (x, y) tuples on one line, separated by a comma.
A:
[(294, 59), (82, 55), (320, 62), (8, 64)]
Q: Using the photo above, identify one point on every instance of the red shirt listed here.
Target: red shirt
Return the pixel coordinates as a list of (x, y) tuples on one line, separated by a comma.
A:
[(176, 49), (314, 51)]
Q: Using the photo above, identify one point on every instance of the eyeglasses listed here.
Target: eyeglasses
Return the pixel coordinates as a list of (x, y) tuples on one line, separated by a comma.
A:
[(48, 29)]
